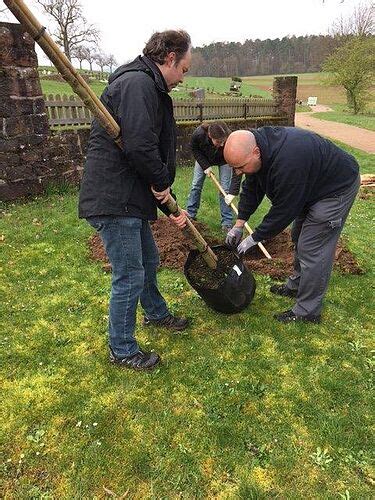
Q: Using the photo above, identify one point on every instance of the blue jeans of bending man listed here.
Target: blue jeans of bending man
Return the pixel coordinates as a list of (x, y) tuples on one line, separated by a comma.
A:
[(131, 250), (194, 199)]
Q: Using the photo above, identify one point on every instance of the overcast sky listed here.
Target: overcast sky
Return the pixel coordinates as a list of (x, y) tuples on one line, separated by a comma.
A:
[(127, 25)]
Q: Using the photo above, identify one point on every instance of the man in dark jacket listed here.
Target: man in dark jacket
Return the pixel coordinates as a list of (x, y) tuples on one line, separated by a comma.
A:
[(310, 181), (121, 189)]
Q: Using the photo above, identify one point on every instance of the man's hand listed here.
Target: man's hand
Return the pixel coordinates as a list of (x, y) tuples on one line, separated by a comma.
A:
[(234, 236), (208, 171), (162, 196), (245, 245), (228, 198), (179, 220)]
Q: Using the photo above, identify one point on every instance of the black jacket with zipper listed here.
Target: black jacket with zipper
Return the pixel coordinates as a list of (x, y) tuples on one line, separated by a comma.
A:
[(117, 182), (298, 169)]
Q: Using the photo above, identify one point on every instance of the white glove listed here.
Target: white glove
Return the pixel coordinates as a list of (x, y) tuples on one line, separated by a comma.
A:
[(245, 245), (208, 171), (228, 198), (234, 236)]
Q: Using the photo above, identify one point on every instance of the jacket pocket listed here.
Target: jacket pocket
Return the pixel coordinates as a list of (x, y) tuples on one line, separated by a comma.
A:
[(333, 224)]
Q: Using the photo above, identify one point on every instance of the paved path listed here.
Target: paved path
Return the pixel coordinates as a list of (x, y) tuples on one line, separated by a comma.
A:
[(353, 136)]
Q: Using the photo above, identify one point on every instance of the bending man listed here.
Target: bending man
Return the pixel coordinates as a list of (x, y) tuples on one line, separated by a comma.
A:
[(308, 180)]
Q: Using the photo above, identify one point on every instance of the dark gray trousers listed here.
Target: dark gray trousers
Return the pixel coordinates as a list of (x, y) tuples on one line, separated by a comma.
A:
[(315, 234)]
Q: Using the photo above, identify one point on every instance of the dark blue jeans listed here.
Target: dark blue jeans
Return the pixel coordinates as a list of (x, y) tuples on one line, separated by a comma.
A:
[(194, 199), (132, 252)]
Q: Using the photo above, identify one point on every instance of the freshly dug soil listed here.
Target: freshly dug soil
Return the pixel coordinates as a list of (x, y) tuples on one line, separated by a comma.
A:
[(174, 247), (206, 277)]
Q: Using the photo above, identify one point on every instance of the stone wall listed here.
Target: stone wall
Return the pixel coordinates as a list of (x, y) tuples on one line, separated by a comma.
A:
[(32, 156)]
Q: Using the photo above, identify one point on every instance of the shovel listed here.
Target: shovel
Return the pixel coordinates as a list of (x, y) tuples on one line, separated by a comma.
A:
[(225, 280)]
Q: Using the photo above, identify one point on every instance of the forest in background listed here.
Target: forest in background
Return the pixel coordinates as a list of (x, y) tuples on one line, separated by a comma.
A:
[(302, 54)]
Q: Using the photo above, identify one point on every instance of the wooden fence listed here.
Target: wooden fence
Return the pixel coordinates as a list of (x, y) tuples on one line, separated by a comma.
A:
[(69, 110)]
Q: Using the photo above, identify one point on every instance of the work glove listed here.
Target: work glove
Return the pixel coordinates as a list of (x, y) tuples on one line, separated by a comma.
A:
[(234, 236), (245, 245), (208, 171), (228, 198)]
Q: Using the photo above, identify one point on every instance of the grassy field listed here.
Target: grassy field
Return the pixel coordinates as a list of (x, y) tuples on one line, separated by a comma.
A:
[(216, 86), (309, 84), (52, 87), (341, 114), (241, 408)]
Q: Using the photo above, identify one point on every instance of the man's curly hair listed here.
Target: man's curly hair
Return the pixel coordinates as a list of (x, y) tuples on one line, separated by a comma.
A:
[(164, 42)]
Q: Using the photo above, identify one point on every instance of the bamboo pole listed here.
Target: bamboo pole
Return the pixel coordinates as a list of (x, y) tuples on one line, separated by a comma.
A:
[(219, 187), (84, 91)]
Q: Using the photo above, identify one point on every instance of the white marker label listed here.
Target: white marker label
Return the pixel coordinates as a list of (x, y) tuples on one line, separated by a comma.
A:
[(237, 269)]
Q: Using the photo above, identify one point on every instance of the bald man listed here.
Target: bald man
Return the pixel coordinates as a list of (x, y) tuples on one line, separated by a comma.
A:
[(308, 180)]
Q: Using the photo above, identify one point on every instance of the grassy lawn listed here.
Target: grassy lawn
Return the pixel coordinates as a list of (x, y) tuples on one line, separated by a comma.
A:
[(309, 84), (216, 86), (52, 87), (340, 114), (242, 407)]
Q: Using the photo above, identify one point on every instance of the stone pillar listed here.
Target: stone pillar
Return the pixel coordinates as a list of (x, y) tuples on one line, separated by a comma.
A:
[(285, 92), (24, 125)]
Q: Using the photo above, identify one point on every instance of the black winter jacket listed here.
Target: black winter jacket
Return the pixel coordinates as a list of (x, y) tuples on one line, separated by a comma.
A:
[(298, 169), (205, 153), (119, 182)]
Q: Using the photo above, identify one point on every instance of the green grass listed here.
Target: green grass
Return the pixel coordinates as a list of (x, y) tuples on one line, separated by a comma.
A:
[(303, 78), (365, 160), (51, 87), (239, 407), (341, 114), (218, 85)]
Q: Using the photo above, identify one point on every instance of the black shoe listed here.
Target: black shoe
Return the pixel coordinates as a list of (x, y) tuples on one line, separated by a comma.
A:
[(284, 291), (171, 322), (139, 361), (289, 316)]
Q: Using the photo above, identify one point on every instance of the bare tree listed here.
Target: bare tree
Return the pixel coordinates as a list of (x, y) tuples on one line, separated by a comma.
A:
[(111, 62), (102, 60), (79, 53), (72, 28), (360, 23), (90, 55)]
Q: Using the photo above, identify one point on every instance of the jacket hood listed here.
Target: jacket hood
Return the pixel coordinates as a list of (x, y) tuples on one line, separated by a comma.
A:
[(141, 63)]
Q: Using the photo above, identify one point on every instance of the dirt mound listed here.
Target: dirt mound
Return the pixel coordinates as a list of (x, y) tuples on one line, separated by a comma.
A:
[(174, 247)]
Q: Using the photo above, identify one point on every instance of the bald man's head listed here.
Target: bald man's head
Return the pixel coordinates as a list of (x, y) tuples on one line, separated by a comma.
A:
[(242, 153)]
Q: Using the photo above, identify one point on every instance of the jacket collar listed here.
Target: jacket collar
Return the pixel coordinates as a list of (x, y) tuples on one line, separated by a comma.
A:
[(157, 74)]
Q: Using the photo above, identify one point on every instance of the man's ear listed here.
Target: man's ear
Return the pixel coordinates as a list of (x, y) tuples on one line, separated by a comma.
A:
[(171, 59), (256, 151)]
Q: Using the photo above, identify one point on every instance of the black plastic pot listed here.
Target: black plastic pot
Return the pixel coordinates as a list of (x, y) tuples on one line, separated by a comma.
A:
[(234, 294)]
